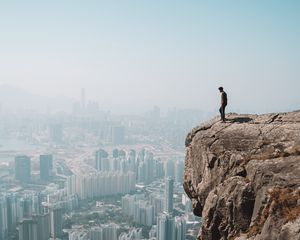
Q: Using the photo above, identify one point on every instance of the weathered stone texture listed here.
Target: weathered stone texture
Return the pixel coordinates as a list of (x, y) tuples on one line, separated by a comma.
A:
[(243, 176)]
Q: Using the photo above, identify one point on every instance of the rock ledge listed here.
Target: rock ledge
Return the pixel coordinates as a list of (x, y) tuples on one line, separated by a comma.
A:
[(243, 177)]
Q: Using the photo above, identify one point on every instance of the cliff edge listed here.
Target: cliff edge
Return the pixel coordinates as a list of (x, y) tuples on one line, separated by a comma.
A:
[(243, 177)]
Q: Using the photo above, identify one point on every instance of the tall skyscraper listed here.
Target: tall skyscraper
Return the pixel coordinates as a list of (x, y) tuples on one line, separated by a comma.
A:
[(132, 160), (24, 208), (118, 135), (142, 172), (170, 168), (141, 155), (56, 222), (169, 189), (149, 162), (165, 221), (11, 201), (3, 219), (157, 201), (36, 200), (46, 166), (43, 226), (22, 168), (179, 169), (27, 207), (158, 169), (165, 227), (101, 160), (28, 230), (180, 228)]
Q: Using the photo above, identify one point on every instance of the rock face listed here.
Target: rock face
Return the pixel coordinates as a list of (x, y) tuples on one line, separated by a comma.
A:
[(243, 177)]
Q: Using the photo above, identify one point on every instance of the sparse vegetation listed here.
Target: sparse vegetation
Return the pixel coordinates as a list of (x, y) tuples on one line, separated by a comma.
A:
[(285, 203)]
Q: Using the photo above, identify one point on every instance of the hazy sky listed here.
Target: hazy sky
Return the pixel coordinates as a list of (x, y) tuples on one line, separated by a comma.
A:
[(134, 54)]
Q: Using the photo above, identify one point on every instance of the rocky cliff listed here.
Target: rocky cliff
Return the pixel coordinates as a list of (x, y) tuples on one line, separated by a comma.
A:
[(243, 177)]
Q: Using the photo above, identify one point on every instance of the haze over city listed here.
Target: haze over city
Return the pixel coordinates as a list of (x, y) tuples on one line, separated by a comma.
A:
[(115, 124), (132, 55)]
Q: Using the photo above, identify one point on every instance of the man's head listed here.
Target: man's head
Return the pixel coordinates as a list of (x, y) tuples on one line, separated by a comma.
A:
[(220, 89)]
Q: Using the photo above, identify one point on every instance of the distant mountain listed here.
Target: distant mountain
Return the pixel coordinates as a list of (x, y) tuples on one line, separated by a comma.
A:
[(14, 98)]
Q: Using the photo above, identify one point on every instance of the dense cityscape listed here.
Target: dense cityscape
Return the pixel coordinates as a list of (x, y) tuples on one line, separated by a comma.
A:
[(89, 174), (149, 120)]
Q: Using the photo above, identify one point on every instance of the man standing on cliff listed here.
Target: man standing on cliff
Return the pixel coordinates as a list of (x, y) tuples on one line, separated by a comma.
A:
[(223, 103)]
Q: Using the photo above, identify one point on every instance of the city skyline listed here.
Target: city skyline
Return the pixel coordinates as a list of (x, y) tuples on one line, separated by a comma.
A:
[(133, 55), (110, 126)]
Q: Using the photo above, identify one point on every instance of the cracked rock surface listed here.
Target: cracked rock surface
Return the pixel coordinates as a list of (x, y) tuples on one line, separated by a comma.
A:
[(243, 177)]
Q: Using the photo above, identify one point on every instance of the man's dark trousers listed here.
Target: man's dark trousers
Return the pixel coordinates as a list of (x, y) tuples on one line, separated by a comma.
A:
[(222, 112)]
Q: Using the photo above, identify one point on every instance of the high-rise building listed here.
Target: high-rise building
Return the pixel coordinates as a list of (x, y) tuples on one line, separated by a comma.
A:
[(22, 168), (141, 155), (158, 169), (46, 166), (132, 160), (96, 233), (101, 160), (179, 169), (105, 231), (118, 135), (110, 231), (11, 201), (170, 168), (101, 184), (139, 209), (142, 172), (43, 226), (157, 201), (128, 206), (20, 210), (3, 219), (169, 189), (28, 207), (143, 213), (28, 230), (71, 185), (180, 228), (165, 227), (36, 203), (149, 164), (56, 222)]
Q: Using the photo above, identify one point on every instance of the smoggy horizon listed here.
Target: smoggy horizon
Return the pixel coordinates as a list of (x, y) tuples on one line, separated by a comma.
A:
[(129, 56)]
